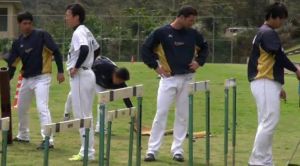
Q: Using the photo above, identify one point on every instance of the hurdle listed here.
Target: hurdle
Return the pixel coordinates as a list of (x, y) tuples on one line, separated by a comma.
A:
[(113, 95), (202, 86), (4, 126), (115, 114), (229, 83), (67, 126)]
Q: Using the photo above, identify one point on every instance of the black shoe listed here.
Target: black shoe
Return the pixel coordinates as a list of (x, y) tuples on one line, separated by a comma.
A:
[(16, 139), (178, 157), (149, 157), (42, 146)]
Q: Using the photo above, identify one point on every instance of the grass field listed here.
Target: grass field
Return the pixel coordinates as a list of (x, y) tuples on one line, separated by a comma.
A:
[(285, 140), (295, 58)]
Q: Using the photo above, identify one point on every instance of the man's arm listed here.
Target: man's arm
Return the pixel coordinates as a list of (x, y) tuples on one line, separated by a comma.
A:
[(13, 59), (202, 49), (271, 44), (97, 53), (50, 44), (80, 42), (148, 55)]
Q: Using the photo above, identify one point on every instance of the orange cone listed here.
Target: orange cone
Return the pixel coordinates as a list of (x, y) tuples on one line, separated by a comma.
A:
[(132, 59), (15, 105)]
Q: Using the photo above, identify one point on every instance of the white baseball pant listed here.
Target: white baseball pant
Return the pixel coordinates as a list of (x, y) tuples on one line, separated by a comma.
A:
[(38, 86), (68, 107), (82, 93), (174, 87), (267, 96)]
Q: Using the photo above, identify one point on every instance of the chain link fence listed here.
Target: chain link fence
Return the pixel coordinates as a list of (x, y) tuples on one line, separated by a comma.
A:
[(121, 37)]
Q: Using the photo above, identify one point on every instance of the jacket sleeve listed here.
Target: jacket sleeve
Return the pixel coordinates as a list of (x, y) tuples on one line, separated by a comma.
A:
[(148, 55), (50, 44), (201, 48), (272, 44), (13, 59)]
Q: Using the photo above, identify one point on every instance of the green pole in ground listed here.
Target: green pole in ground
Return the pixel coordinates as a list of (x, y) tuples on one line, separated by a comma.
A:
[(101, 133), (109, 124), (191, 162), (46, 151), (226, 128), (207, 94), (233, 124), (4, 147), (139, 131), (130, 141), (86, 147)]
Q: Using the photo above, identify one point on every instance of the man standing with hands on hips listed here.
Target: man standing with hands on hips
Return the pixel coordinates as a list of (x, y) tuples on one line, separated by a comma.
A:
[(175, 51), (266, 75), (82, 82)]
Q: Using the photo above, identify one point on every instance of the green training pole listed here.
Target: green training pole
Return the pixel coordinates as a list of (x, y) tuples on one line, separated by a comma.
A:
[(226, 128), (86, 147), (46, 151), (191, 162), (109, 124), (139, 131), (233, 124), (130, 151), (4, 147), (207, 105), (101, 138)]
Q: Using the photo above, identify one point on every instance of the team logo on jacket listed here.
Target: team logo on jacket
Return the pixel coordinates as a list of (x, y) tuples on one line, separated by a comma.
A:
[(28, 50), (178, 43)]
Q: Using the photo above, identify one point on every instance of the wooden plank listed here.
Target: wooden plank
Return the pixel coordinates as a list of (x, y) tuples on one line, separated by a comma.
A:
[(4, 124), (199, 86), (230, 83), (67, 126), (113, 95), (119, 113)]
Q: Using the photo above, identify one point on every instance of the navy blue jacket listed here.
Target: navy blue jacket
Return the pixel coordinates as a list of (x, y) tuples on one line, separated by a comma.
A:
[(36, 52), (175, 49)]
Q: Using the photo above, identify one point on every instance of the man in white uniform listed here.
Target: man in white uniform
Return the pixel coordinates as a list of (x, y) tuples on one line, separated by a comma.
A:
[(108, 76), (266, 75), (35, 48), (82, 81), (175, 47)]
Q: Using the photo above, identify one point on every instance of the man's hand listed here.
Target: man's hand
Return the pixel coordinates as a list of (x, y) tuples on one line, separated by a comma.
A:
[(283, 95), (159, 70), (60, 77), (73, 72), (298, 74), (194, 65)]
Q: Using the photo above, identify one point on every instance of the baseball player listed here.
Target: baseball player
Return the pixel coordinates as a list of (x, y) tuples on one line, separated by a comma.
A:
[(35, 48), (82, 78), (108, 76), (266, 75), (175, 52)]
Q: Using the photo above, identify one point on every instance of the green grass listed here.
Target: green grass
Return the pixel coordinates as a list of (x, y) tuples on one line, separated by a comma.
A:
[(295, 58), (285, 139)]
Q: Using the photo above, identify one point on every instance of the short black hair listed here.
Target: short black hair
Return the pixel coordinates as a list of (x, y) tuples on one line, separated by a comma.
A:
[(123, 74), (24, 16), (275, 10), (77, 10), (186, 11)]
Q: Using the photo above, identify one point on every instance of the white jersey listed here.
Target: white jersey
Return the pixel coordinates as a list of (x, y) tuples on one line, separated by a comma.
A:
[(82, 36)]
